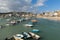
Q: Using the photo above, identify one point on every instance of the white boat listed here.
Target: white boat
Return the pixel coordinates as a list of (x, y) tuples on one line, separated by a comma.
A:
[(20, 20), (29, 25), (35, 36), (8, 19), (0, 26), (7, 24), (26, 34), (18, 37), (27, 18), (13, 22)]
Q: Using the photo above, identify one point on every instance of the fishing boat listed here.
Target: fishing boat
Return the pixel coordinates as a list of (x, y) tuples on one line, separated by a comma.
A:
[(35, 30), (18, 37), (27, 18), (28, 25), (7, 24), (34, 20), (8, 19), (0, 27), (13, 22), (34, 36), (26, 35), (18, 21)]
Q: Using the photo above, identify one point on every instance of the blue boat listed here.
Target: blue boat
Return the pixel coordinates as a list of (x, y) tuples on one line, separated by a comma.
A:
[(35, 30)]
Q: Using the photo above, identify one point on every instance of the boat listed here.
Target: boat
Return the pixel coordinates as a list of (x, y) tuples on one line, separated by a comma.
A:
[(8, 19), (27, 18), (34, 20), (18, 21), (0, 27), (34, 36), (7, 24), (26, 35), (18, 37), (35, 30), (28, 25), (13, 22)]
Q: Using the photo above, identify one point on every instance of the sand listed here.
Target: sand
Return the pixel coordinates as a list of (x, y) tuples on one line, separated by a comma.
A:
[(52, 18)]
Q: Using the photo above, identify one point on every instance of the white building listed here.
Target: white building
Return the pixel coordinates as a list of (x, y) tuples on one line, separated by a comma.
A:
[(55, 14)]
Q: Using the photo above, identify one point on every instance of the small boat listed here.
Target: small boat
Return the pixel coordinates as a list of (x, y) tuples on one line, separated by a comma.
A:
[(34, 20), (7, 24), (0, 27), (26, 35), (34, 36), (35, 30), (8, 19), (28, 25), (18, 21), (18, 37), (13, 22), (27, 18)]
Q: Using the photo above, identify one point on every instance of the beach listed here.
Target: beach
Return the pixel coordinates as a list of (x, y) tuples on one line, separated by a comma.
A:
[(51, 18)]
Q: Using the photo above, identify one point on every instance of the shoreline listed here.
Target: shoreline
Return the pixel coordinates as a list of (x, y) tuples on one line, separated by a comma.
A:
[(52, 18)]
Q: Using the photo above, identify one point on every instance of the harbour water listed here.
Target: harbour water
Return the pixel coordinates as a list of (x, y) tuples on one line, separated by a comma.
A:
[(49, 30)]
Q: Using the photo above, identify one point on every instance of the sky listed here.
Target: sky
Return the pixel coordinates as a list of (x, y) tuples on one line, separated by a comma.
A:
[(35, 6)]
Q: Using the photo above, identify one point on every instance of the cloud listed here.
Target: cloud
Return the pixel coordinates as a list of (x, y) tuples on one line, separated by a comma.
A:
[(29, 1), (19, 5), (40, 3)]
